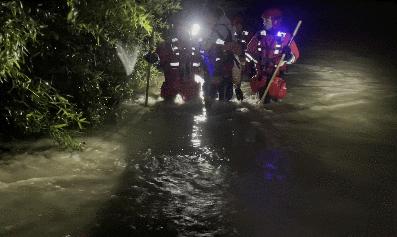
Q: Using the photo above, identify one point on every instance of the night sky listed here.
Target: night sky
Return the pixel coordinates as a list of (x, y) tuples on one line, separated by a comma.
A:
[(363, 26)]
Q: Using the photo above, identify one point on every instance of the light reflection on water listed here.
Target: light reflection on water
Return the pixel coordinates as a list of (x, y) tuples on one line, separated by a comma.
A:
[(197, 129), (200, 80), (198, 119), (274, 165), (183, 192), (174, 191)]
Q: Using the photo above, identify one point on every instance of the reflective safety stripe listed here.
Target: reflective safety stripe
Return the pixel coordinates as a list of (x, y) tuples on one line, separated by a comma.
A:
[(175, 64), (245, 32), (177, 54), (263, 32), (235, 33), (250, 57), (174, 48), (247, 59), (217, 59), (276, 51), (281, 34), (193, 48), (259, 43), (174, 40), (219, 41), (259, 49), (196, 64), (192, 53), (243, 41), (278, 45)]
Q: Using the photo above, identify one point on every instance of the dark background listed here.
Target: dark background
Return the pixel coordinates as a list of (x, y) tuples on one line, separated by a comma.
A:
[(364, 27), (367, 27)]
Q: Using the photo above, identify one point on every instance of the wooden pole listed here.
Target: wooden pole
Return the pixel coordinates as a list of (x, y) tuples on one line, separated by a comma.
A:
[(148, 70), (273, 76)]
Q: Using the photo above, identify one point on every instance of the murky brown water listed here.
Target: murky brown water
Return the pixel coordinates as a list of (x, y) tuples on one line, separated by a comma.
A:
[(321, 163)]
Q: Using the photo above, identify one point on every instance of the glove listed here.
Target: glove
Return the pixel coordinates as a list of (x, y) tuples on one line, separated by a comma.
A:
[(288, 54), (239, 94), (151, 58)]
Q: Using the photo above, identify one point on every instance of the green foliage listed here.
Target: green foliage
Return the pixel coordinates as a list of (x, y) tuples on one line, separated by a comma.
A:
[(16, 32), (59, 69), (122, 20), (29, 106)]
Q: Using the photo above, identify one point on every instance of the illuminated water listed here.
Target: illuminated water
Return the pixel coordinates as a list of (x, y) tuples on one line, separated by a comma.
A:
[(321, 163), (127, 57)]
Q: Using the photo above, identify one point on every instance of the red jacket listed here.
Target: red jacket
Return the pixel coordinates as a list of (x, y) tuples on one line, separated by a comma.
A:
[(265, 49)]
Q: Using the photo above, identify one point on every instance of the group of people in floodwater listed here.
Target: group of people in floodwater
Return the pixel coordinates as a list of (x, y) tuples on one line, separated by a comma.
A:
[(224, 55)]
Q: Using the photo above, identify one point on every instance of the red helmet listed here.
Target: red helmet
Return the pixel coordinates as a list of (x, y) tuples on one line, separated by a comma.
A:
[(272, 12), (272, 18)]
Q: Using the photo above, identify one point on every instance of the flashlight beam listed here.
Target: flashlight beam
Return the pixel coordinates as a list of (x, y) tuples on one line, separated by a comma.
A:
[(195, 29)]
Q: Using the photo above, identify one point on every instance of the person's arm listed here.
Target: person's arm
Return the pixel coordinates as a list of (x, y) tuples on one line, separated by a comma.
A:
[(294, 51), (291, 52), (252, 50), (164, 53)]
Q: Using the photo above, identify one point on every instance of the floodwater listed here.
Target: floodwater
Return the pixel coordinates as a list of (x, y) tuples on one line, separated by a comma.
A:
[(320, 163)]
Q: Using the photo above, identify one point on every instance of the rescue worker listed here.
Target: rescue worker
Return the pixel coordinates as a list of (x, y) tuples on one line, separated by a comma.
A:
[(265, 49), (179, 60), (219, 60), (245, 67), (191, 65)]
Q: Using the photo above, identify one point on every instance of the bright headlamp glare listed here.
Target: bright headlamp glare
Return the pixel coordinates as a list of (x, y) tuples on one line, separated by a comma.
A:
[(195, 29)]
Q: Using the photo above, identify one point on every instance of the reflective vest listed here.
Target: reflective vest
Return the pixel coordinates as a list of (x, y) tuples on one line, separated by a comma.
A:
[(179, 57), (266, 47)]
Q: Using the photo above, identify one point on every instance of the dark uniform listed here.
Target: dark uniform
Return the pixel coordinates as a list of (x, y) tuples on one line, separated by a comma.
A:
[(219, 61), (245, 65)]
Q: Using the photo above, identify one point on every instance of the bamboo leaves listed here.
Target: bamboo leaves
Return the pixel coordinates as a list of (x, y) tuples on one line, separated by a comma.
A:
[(16, 32), (59, 70)]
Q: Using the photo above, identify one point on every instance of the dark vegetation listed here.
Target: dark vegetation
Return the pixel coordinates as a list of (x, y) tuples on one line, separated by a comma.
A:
[(59, 70)]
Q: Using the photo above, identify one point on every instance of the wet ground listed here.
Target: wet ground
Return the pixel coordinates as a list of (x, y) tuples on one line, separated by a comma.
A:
[(320, 163)]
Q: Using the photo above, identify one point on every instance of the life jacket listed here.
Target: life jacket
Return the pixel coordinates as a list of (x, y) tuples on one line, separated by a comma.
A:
[(191, 64), (196, 59), (278, 88), (170, 55), (270, 46), (178, 58), (268, 51)]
